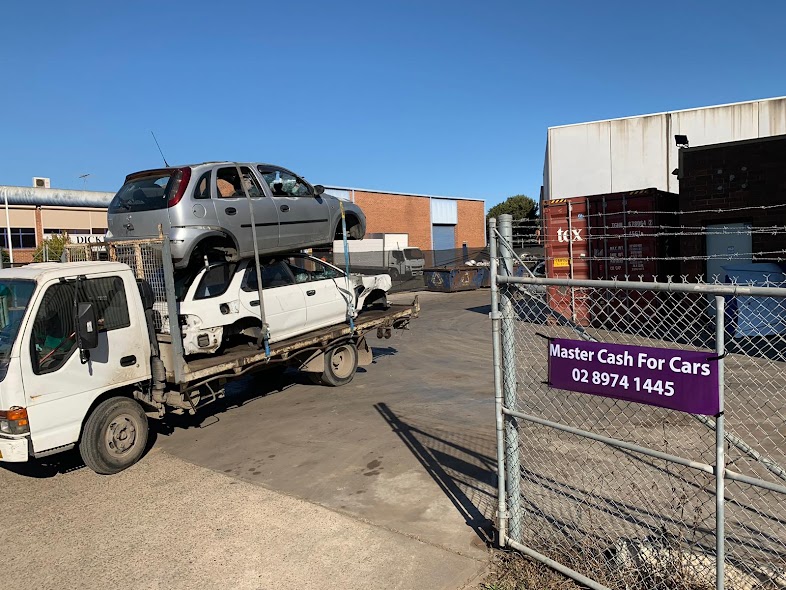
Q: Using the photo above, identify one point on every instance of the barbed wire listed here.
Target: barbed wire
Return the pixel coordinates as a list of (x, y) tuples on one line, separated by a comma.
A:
[(630, 212)]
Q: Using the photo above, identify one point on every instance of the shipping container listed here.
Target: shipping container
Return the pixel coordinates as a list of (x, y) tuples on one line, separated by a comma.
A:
[(610, 236), (631, 233), (567, 255)]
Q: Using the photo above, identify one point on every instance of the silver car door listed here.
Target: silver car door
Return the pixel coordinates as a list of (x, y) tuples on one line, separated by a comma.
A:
[(285, 306), (324, 288), (232, 209), (304, 218)]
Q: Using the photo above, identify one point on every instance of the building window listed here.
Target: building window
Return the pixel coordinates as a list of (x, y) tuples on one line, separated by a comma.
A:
[(21, 237)]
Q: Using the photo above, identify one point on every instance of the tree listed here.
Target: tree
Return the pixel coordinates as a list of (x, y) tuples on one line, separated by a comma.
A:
[(55, 244), (519, 206)]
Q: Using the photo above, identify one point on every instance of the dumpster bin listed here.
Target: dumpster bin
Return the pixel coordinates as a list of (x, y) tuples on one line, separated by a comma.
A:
[(452, 279)]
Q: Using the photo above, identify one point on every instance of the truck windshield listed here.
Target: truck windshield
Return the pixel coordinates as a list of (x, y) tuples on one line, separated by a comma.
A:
[(413, 254), (14, 297)]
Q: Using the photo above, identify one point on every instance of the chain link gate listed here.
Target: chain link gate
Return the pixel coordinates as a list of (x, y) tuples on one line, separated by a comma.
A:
[(622, 495)]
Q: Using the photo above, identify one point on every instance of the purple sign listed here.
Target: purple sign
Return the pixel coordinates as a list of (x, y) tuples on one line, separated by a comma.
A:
[(681, 380)]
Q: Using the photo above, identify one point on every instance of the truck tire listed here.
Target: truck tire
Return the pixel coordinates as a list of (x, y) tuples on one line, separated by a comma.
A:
[(114, 436), (341, 363)]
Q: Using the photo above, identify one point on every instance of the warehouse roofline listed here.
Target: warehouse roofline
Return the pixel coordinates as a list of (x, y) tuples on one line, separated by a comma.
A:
[(374, 190), (28, 195), (714, 106)]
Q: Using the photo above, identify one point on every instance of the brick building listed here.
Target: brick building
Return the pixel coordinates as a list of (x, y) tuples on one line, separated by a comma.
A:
[(727, 192), (432, 222)]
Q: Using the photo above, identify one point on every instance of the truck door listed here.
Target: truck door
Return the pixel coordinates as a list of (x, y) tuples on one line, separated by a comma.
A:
[(303, 216), (233, 211), (60, 387)]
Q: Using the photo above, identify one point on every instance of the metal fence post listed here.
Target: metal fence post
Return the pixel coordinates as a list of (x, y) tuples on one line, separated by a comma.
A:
[(720, 441), (498, 399), (513, 468)]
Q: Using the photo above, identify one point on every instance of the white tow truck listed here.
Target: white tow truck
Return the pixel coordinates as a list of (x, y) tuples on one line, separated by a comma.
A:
[(84, 362)]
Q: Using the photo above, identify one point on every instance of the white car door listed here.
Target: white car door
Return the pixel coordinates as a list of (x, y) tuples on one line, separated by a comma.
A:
[(285, 305), (325, 291)]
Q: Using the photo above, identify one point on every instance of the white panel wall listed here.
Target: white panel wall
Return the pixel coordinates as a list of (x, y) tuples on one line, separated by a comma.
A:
[(639, 156), (639, 152), (712, 125), (580, 157), (444, 211), (772, 117)]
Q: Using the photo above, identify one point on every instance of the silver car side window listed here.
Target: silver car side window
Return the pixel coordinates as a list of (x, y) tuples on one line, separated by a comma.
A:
[(202, 187), (283, 183), (230, 185)]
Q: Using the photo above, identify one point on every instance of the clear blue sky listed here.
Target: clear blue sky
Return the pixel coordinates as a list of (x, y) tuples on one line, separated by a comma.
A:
[(447, 98)]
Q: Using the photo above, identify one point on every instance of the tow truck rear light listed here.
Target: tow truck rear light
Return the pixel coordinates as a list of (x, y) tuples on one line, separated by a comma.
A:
[(179, 184), (14, 421)]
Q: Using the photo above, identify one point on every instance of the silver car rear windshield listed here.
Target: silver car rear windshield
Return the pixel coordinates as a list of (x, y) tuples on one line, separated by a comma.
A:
[(146, 191)]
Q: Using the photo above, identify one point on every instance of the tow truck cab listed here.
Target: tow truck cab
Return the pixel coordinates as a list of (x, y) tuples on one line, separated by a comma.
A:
[(53, 376)]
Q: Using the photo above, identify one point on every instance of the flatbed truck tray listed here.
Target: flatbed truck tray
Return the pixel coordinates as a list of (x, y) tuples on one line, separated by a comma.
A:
[(240, 358)]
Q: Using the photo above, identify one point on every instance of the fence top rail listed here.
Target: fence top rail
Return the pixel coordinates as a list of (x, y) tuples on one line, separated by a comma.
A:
[(705, 288)]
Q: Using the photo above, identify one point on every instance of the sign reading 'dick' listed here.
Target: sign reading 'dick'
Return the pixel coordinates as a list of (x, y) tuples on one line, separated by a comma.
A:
[(681, 380)]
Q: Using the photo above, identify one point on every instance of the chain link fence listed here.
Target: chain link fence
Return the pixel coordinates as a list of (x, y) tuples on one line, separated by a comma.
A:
[(621, 495)]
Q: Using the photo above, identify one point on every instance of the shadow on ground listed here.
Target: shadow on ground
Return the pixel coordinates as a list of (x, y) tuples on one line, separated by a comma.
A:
[(461, 463)]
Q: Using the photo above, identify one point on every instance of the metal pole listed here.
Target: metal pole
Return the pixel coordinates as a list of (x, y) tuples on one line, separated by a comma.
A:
[(8, 233), (350, 292), (570, 261), (720, 440), (173, 310), (498, 400), (262, 316), (513, 468)]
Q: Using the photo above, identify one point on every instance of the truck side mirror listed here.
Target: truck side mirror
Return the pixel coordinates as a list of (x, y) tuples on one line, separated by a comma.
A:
[(318, 189), (87, 326)]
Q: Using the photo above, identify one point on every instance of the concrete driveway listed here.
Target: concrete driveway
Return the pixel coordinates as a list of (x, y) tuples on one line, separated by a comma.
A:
[(384, 483)]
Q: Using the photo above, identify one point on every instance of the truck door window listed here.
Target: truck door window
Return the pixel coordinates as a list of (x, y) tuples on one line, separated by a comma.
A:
[(54, 340), (229, 184)]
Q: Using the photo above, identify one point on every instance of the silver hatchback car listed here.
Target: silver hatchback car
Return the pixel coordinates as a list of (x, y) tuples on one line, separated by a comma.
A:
[(204, 210)]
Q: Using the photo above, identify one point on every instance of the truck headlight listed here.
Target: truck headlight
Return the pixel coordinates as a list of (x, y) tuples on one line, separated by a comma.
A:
[(14, 421)]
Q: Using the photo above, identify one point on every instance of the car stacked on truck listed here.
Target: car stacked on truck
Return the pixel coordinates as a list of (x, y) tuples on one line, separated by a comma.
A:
[(90, 350)]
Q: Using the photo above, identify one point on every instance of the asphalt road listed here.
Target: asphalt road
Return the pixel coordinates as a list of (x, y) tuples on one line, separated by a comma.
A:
[(386, 482)]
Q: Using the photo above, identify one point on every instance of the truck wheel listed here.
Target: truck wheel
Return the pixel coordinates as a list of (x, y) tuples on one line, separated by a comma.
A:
[(394, 274), (115, 436), (341, 362)]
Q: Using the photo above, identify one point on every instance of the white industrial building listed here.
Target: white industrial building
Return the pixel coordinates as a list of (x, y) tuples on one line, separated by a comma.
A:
[(640, 152)]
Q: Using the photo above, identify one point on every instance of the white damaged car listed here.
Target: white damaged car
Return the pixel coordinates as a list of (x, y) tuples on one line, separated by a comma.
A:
[(220, 301)]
